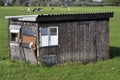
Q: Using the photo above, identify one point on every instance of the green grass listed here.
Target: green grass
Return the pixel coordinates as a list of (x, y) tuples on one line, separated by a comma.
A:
[(107, 70)]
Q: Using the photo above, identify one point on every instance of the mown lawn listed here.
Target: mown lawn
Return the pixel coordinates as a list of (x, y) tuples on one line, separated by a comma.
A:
[(107, 70)]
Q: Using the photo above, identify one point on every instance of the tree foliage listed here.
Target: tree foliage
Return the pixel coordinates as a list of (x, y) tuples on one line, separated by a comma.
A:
[(16, 2), (112, 2)]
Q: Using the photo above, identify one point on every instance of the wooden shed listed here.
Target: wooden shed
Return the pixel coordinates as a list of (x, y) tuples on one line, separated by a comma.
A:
[(59, 38)]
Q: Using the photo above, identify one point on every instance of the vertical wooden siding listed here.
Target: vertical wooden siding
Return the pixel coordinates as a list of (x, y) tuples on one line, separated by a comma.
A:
[(84, 41), (17, 51)]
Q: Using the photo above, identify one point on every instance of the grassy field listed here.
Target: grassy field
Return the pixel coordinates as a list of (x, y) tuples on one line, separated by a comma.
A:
[(107, 70)]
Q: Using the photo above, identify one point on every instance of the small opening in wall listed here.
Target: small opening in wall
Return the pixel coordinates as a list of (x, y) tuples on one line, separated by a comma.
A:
[(14, 36)]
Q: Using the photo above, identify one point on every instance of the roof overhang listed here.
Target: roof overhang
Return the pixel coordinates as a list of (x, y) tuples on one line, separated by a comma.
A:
[(23, 17), (61, 17)]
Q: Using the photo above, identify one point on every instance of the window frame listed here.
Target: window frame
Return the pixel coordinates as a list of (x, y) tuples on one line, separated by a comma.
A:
[(50, 31), (44, 34), (14, 29), (17, 38), (49, 35)]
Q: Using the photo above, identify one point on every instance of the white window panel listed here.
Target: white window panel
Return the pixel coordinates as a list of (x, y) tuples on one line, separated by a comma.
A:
[(44, 36), (14, 31), (53, 35), (53, 40), (49, 36), (44, 40)]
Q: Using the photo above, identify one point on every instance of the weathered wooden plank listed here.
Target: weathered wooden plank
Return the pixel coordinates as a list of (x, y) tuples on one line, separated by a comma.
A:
[(80, 39), (100, 40), (9, 50), (103, 39), (23, 57), (80, 35), (83, 25), (60, 41), (37, 42), (30, 56), (98, 49), (87, 43), (75, 40), (13, 52), (16, 52), (63, 40), (93, 40), (107, 40), (70, 36), (71, 41), (67, 43)]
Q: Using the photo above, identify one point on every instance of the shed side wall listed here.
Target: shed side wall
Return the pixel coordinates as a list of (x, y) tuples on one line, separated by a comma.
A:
[(19, 52), (86, 41)]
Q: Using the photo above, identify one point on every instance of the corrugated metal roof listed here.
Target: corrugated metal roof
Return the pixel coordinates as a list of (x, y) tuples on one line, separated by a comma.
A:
[(58, 17), (73, 17), (23, 17)]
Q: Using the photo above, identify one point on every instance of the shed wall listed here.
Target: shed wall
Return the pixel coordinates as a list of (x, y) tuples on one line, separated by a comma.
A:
[(25, 53), (86, 41)]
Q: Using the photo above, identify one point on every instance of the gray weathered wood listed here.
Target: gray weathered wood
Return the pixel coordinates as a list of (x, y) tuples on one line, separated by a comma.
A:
[(30, 56), (79, 39), (84, 41)]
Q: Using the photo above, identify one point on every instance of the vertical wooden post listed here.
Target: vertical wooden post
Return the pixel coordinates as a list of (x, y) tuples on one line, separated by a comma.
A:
[(9, 51), (38, 47)]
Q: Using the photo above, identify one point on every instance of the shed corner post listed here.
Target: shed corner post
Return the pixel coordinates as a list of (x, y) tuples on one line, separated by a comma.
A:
[(108, 38), (9, 51), (38, 47)]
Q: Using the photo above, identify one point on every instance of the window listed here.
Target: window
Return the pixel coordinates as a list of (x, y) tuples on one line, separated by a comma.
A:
[(14, 33), (14, 36), (53, 31), (49, 36), (44, 31)]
